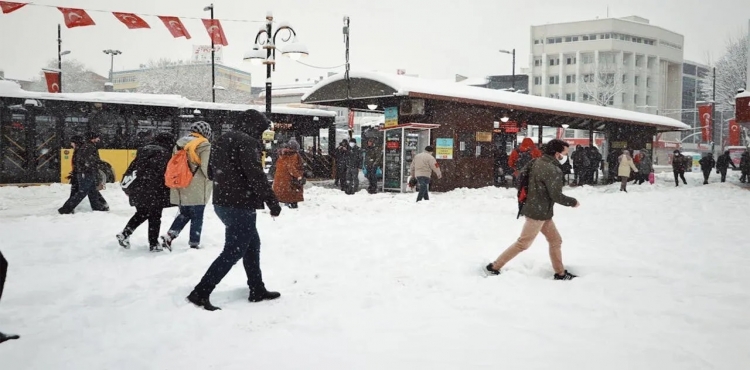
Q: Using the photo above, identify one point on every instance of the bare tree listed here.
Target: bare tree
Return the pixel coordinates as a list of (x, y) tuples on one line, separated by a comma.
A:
[(731, 73), (601, 85), (76, 78), (191, 80)]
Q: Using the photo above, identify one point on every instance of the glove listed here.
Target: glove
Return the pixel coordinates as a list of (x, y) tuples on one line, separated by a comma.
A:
[(275, 209)]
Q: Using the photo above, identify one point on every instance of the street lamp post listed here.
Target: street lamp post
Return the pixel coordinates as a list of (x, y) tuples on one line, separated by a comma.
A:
[(213, 66), (112, 54), (513, 74), (294, 50), (59, 56)]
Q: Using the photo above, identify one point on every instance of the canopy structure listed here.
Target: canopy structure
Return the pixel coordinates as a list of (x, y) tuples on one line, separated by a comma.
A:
[(382, 89)]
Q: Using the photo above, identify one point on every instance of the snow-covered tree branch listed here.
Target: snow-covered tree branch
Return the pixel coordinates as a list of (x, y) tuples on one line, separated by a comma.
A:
[(191, 80), (76, 78), (731, 73), (602, 85)]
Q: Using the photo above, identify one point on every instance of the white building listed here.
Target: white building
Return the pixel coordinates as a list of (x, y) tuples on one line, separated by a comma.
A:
[(621, 62)]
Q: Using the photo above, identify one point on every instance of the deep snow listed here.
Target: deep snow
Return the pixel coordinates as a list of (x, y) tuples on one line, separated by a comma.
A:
[(379, 282)]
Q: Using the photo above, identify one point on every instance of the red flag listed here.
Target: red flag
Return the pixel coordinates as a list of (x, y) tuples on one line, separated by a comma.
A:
[(176, 28), (734, 133), (9, 7), (53, 80), (351, 119), (131, 20), (215, 32), (704, 115), (76, 17)]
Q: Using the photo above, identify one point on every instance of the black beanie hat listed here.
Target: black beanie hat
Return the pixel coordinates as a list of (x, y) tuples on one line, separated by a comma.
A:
[(91, 135), (555, 146), (253, 123)]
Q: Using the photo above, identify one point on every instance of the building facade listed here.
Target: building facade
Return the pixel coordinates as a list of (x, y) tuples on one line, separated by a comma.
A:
[(128, 81), (625, 63), (693, 76)]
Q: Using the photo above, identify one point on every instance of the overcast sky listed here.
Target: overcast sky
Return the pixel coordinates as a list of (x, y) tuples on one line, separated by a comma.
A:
[(432, 38)]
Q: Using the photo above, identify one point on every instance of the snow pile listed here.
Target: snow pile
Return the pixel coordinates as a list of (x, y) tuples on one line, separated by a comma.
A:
[(381, 282)]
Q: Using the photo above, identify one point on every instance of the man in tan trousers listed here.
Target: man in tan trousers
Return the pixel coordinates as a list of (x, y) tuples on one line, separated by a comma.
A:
[(545, 189)]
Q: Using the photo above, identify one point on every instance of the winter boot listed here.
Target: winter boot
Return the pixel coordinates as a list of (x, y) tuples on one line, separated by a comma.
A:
[(155, 248), (166, 240), (565, 276), (123, 238), (489, 271), (195, 246), (204, 303), (264, 295), (6, 337)]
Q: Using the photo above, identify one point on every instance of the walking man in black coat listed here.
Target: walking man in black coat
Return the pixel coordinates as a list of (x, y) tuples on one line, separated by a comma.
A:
[(722, 165), (86, 163), (144, 184), (707, 164), (240, 188)]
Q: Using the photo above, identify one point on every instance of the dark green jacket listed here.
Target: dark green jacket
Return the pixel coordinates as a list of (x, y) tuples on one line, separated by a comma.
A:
[(545, 189), (373, 156)]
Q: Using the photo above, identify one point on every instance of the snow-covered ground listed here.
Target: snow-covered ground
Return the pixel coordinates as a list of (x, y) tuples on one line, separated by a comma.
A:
[(379, 282)]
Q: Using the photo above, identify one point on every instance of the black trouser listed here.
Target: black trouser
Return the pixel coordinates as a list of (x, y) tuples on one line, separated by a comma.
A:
[(3, 273), (706, 175), (679, 175), (723, 172), (745, 176), (142, 214), (372, 177), (86, 186)]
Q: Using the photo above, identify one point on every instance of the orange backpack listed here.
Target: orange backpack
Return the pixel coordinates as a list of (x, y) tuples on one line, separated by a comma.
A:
[(178, 174)]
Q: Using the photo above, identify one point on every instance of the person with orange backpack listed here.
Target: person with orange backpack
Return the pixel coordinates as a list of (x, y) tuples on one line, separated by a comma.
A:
[(192, 191), (143, 183)]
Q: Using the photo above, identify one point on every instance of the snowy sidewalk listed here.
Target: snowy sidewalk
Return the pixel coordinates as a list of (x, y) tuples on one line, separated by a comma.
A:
[(381, 282)]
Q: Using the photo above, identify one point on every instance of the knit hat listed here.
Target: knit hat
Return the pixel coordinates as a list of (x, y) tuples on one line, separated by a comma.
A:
[(293, 144), (252, 123), (203, 128), (91, 135)]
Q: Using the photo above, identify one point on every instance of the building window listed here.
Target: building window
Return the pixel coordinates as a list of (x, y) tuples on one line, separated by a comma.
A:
[(570, 60), (635, 99), (636, 80), (537, 62), (587, 97), (624, 78), (569, 134), (570, 79), (588, 78), (554, 96), (623, 98), (570, 97), (554, 61), (648, 100), (554, 80), (588, 59), (648, 81), (537, 80), (538, 41)]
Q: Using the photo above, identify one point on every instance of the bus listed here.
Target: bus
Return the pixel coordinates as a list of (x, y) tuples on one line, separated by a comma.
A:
[(36, 127)]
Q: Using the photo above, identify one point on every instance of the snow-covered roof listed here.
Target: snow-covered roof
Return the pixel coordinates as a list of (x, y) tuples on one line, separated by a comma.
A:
[(474, 81), (286, 92), (411, 86), (13, 90), (745, 94)]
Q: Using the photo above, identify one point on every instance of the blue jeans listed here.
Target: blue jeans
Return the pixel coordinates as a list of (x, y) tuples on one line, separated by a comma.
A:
[(242, 242), (424, 188), (193, 215)]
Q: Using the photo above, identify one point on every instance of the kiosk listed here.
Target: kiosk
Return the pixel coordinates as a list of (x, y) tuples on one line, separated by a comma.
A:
[(400, 144)]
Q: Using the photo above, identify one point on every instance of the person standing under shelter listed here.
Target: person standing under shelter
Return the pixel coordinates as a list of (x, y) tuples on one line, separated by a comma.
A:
[(626, 164), (373, 160), (422, 167), (353, 165), (544, 190)]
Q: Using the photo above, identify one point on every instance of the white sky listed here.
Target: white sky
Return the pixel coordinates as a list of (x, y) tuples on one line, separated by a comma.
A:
[(432, 38)]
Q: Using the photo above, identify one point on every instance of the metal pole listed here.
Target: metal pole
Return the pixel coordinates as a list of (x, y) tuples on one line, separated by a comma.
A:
[(713, 114), (111, 66), (213, 70), (59, 56), (346, 76), (269, 22), (513, 75)]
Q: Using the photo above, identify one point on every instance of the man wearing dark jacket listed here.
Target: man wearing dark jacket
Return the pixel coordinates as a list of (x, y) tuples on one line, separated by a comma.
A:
[(373, 160), (341, 153), (679, 166), (144, 184), (86, 163), (240, 187), (707, 164), (545, 189), (353, 165), (3, 273), (722, 165)]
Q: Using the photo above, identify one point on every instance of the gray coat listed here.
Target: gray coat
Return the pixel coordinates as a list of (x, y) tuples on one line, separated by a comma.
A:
[(199, 191), (645, 166)]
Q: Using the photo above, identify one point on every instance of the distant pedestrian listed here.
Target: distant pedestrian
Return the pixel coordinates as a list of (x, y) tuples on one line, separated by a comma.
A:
[(3, 274), (745, 167), (422, 167), (86, 164), (373, 160), (353, 165), (679, 166), (625, 166), (722, 165), (707, 165)]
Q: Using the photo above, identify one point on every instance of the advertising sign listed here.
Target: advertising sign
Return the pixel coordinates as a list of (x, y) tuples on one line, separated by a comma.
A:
[(391, 117), (392, 163), (202, 54), (444, 148)]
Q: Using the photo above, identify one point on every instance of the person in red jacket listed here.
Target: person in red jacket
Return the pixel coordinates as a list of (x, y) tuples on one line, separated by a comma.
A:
[(523, 155)]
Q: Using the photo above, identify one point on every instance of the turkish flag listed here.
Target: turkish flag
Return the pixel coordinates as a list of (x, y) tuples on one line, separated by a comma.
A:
[(215, 32), (76, 17), (53, 80), (131, 20), (704, 115), (9, 7), (176, 28), (734, 133)]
